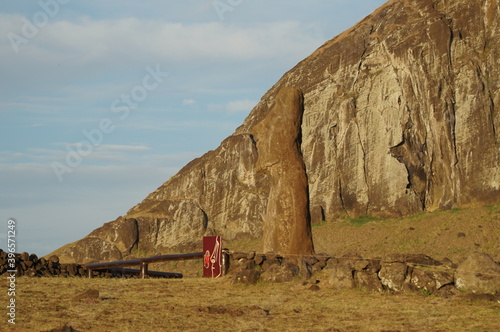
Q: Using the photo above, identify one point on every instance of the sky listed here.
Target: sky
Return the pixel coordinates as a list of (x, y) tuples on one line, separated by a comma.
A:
[(101, 102)]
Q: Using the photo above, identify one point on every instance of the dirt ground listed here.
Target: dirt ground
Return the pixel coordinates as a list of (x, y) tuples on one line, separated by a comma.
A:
[(196, 304)]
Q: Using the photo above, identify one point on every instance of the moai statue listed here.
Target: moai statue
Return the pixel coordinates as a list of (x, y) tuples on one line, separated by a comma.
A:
[(287, 222)]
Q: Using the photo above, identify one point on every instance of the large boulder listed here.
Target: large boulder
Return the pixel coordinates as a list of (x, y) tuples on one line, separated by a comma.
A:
[(339, 274), (366, 274), (429, 280), (368, 280), (393, 275), (247, 276), (478, 274), (285, 272)]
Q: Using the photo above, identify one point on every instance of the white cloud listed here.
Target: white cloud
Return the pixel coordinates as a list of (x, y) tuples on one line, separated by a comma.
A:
[(32, 156), (179, 125), (244, 105), (236, 106), (188, 102), (86, 40), (126, 148), (34, 107), (105, 152)]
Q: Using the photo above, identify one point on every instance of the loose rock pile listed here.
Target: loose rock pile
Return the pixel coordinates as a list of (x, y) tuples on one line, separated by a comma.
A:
[(399, 272)]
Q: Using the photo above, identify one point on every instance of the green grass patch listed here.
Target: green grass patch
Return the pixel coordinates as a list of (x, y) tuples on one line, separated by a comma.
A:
[(139, 252), (493, 207), (361, 220), (425, 292), (319, 224), (417, 215)]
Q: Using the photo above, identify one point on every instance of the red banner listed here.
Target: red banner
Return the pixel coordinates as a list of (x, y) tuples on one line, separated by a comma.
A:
[(212, 258)]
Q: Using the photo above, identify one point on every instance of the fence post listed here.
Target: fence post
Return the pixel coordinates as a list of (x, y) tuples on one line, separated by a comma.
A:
[(144, 270), (143, 263)]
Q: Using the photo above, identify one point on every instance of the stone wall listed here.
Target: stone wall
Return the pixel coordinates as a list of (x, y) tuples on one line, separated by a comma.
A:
[(31, 265), (398, 272), (478, 274)]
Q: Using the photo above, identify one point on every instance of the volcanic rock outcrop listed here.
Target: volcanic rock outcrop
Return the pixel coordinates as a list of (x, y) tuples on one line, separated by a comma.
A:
[(287, 223), (400, 116)]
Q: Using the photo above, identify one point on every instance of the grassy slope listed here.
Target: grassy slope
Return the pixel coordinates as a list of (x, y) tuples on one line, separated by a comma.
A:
[(453, 234)]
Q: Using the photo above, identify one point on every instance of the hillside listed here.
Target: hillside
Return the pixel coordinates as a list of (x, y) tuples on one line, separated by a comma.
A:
[(400, 117), (453, 234)]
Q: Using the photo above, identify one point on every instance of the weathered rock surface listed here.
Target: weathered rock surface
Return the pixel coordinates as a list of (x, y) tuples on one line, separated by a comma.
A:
[(478, 274), (248, 276), (400, 116), (280, 273), (342, 277), (394, 273), (287, 223), (430, 281)]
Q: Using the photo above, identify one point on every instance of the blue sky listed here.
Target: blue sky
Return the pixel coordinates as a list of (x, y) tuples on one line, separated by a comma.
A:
[(103, 101)]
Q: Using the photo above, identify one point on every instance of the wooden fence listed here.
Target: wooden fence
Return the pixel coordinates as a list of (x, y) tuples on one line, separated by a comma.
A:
[(143, 263)]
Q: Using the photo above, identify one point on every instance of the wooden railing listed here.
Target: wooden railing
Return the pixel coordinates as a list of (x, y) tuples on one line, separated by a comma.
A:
[(143, 263)]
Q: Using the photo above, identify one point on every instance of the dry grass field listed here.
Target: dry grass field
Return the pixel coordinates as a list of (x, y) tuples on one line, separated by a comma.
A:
[(195, 304)]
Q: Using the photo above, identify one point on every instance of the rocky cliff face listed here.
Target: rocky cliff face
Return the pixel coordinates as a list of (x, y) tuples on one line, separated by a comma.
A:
[(400, 116)]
